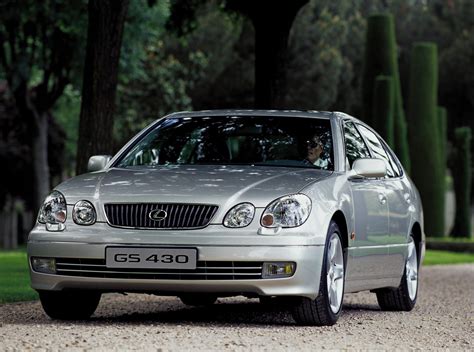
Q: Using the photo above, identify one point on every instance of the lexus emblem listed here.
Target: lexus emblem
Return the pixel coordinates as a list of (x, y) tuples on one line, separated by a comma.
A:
[(157, 215)]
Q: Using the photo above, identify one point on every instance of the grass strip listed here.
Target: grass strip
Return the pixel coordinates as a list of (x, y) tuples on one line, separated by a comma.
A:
[(14, 277), (435, 257)]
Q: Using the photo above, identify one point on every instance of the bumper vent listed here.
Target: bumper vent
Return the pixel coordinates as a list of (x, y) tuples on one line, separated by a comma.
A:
[(160, 216), (205, 270)]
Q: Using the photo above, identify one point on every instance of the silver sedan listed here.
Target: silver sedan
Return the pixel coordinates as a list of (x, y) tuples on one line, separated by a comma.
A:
[(281, 205)]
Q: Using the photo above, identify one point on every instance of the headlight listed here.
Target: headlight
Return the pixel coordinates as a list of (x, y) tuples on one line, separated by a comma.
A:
[(287, 211), (239, 216), (53, 210), (84, 213)]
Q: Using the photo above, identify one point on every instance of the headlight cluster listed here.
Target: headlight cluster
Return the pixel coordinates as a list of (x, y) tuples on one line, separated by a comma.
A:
[(83, 213), (240, 216), (288, 211), (53, 212), (54, 209)]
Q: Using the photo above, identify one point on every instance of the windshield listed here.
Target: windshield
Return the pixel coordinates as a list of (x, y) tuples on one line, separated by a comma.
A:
[(253, 140)]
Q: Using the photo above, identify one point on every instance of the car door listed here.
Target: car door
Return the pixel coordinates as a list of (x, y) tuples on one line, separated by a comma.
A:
[(367, 252), (398, 200)]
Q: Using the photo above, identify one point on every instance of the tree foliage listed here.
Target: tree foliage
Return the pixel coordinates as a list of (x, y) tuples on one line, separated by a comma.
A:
[(38, 47), (321, 68)]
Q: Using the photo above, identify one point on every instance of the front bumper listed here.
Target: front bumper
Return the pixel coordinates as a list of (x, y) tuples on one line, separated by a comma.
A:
[(304, 282)]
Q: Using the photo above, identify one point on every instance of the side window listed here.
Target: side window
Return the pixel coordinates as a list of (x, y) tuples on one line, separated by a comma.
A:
[(393, 160), (377, 149), (355, 146)]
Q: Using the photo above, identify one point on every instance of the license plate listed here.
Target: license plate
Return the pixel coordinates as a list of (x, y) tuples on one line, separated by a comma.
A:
[(150, 258)]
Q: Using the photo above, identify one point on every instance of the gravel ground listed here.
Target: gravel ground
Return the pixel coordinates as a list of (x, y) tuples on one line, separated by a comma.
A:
[(443, 318)]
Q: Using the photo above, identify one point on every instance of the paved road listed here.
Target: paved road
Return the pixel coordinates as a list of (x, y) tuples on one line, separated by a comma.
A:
[(443, 318)]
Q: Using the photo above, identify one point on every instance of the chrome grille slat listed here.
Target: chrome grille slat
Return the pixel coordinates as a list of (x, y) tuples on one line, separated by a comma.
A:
[(175, 217), (147, 207), (199, 213), (191, 216), (152, 272), (197, 268), (178, 222), (185, 215), (207, 215), (205, 270), (169, 211), (179, 216)]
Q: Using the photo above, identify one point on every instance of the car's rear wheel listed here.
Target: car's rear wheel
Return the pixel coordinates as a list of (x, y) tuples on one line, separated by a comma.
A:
[(69, 305), (198, 299), (326, 308), (403, 298)]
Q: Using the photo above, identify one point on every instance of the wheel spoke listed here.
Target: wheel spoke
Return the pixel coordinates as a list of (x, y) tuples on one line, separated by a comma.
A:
[(332, 248), (411, 250), (411, 270), (338, 271), (333, 296)]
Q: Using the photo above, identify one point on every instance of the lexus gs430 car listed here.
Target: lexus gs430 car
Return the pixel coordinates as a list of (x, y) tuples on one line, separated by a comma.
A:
[(298, 206)]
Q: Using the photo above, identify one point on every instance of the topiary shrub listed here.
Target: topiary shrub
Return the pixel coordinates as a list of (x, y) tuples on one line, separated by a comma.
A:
[(424, 136), (462, 177), (443, 152), (443, 136), (381, 59), (383, 108)]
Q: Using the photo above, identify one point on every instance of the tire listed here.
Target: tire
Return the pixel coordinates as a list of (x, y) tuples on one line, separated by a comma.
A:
[(267, 300), (326, 308), (69, 305), (403, 298), (198, 299), (276, 301)]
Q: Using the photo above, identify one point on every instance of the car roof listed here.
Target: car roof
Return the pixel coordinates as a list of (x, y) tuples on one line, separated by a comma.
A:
[(335, 116), (253, 112)]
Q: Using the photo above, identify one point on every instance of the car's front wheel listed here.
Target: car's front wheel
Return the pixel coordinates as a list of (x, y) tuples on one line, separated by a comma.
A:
[(69, 305), (326, 308), (403, 298)]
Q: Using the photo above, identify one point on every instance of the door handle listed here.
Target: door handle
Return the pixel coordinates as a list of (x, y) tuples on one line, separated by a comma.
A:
[(382, 199)]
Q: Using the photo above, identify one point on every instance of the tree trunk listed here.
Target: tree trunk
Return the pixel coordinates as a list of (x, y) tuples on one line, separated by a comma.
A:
[(40, 161), (38, 127), (104, 40), (272, 22), (9, 225)]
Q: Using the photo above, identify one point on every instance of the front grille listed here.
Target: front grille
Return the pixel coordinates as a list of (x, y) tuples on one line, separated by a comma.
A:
[(205, 270), (178, 216)]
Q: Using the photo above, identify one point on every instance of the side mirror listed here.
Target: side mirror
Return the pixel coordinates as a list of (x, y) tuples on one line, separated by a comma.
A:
[(98, 162), (368, 168)]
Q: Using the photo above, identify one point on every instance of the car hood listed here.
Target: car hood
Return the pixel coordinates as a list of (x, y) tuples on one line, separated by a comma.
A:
[(219, 185)]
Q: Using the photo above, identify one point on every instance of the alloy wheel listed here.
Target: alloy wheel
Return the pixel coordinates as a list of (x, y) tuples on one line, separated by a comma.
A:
[(412, 270), (335, 273)]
